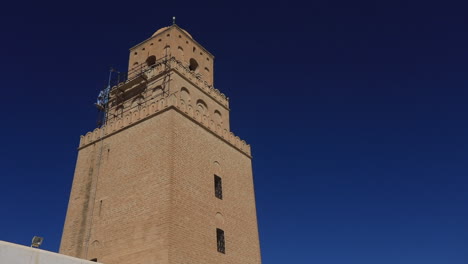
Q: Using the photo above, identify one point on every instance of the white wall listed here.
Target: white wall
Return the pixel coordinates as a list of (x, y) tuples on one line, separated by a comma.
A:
[(17, 254)]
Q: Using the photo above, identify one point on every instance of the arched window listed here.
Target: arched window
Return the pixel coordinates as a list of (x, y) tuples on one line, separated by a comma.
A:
[(157, 91), (151, 60), (181, 51), (193, 66), (185, 95), (217, 118), (136, 102), (167, 50), (119, 111), (201, 107)]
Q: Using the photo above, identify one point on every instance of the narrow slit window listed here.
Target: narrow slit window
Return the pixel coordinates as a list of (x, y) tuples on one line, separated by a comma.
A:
[(220, 240), (218, 187)]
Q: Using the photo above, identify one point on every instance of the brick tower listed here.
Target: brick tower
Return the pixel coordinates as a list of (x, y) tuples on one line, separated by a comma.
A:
[(163, 180)]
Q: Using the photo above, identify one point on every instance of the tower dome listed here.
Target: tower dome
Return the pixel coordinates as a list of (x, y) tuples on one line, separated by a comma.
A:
[(165, 28), (159, 31)]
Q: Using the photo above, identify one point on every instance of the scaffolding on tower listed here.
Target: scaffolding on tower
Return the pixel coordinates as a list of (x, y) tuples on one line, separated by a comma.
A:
[(117, 80)]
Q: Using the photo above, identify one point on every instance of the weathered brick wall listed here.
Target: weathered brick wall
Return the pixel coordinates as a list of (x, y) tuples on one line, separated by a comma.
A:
[(199, 155), (130, 211), (154, 197), (143, 190), (78, 214)]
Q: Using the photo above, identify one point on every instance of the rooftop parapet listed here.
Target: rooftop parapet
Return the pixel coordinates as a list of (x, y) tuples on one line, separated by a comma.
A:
[(155, 108)]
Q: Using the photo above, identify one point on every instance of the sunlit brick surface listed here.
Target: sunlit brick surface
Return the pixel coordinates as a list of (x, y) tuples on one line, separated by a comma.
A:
[(143, 190)]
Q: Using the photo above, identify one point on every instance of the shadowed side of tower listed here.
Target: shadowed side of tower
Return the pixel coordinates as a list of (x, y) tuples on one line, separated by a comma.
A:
[(164, 180)]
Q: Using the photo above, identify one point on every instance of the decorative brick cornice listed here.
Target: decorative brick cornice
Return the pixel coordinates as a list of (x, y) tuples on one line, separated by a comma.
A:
[(197, 80), (146, 112)]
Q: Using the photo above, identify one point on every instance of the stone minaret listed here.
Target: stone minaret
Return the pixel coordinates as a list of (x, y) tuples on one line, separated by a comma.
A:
[(164, 180)]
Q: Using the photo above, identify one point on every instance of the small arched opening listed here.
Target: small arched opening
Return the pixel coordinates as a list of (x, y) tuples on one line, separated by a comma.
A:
[(181, 52), (151, 60), (201, 107), (137, 102), (193, 65), (217, 118), (185, 95), (119, 111), (157, 92)]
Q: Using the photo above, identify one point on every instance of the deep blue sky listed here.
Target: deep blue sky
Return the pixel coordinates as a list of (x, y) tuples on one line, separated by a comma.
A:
[(356, 112)]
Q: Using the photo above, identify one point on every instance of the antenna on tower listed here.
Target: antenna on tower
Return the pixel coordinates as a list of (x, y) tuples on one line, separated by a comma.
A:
[(173, 20)]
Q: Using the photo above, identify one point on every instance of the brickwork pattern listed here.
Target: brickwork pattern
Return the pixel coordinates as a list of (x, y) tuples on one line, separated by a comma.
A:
[(179, 44), (154, 196), (143, 190), (145, 112), (197, 212), (119, 210)]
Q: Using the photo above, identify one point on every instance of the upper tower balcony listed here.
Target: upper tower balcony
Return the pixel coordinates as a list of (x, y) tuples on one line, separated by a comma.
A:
[(160, 78), (173, 42), (169, 63)]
